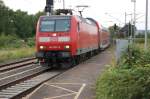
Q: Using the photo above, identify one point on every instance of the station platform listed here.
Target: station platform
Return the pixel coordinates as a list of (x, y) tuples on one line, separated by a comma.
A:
[(76, 83)]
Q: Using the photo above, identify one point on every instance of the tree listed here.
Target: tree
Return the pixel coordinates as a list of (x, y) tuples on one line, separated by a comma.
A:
[(6, 14), (17, 23), (1, 3), (114, 30)]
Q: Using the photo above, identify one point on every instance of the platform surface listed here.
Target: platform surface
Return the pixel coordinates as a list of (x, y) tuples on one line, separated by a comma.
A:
[(77, 83)]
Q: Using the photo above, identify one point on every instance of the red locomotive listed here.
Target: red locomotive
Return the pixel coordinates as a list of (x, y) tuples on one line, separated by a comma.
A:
[(68, 38)]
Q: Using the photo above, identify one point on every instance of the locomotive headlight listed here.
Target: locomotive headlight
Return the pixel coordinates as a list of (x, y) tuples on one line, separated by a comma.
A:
[(64, 39), (42, 47), (67, 47)]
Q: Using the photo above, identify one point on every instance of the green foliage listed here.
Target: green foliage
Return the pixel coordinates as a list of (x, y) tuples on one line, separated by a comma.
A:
[(17, 32), (31, 42), (12, 42), (114, 30), (129, 80), (17, 22), (18, 53), (22, 23), (141, 40), (142, 35), (132, 57), (9, 42), (12, 47)]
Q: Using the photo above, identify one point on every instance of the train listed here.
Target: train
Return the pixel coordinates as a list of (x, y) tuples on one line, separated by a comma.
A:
[(68, 39)]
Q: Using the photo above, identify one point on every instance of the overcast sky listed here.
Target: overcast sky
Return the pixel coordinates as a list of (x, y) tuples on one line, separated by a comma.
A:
[(106, 12)]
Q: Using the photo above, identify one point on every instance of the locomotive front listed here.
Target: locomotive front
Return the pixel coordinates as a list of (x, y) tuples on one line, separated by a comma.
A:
[(53, 38)]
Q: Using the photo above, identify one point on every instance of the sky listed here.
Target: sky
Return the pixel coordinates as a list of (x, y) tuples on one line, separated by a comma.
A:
[(106, 12)]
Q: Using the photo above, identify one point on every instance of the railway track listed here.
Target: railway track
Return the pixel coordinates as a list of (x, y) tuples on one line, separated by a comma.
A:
[(17, 82), (18, 90), (18, 78), (17, 64)]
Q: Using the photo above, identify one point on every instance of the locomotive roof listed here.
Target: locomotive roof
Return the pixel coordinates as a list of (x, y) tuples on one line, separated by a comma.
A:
[(56, 17)]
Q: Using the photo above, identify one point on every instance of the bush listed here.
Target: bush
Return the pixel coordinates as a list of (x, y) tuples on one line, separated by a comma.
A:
[(11, 41), (11, 47), (31, 42), (127, 81), (139, 40)]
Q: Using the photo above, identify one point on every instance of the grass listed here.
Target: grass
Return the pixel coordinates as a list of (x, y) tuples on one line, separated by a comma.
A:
[(13, 47), (11, 54), (141, 40)]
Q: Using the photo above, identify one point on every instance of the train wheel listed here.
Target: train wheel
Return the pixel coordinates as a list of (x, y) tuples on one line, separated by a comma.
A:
[(43, 63), (88, 55), (77, 60), (68, 63), (81, 58), (91, 53)]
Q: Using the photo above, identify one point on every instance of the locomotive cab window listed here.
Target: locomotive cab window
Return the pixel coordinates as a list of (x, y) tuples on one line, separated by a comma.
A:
[(55, 25), (47, 26), (62, 25)]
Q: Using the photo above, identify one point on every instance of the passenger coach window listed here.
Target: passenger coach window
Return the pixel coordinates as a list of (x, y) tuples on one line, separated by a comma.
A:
[(62, 25)]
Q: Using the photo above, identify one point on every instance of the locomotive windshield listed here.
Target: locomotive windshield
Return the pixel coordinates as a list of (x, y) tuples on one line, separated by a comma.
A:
[(58, 25), (47, 26)]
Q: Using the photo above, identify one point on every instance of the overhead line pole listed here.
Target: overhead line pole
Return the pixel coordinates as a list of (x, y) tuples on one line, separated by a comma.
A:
[(134, 21), (63, 4), (146, 24), (125, 18)]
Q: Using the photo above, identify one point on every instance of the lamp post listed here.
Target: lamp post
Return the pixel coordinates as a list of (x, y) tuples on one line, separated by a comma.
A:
[(146, 24)]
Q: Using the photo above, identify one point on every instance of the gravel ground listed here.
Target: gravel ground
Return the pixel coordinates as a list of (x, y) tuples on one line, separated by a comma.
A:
[(77, 83)]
